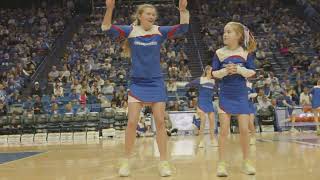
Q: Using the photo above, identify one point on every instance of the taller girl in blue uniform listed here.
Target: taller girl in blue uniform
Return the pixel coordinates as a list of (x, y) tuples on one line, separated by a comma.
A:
[(143, 42), (315, 101), (205, 85), (233, 64)]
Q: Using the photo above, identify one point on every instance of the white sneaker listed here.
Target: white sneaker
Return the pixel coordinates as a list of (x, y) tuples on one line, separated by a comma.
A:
[(214, 144), (201, 144), (248, 168), (294, 130), (124, 169), (222, 169), (164, 169), (252, 141)]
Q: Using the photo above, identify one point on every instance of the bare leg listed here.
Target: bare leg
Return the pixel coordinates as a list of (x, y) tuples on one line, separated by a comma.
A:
[(211, 123), (251, 125), (224, 131), (202, 116), (133, 118), (158, 110), (244, 134)]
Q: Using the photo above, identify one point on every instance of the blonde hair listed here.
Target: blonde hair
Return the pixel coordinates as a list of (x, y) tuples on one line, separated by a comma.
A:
[(136, 22), (240, 29), (204, 74)]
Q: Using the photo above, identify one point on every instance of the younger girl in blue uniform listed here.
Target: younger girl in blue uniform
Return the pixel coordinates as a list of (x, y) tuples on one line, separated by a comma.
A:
[(286, 101), (251, 96), (143, 43), (315, 101), (205, 85), (233, 64)]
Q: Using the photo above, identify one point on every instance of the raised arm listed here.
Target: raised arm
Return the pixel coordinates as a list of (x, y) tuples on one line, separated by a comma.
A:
[(184, 13), (114, 31), (106, 23), (180, 29)]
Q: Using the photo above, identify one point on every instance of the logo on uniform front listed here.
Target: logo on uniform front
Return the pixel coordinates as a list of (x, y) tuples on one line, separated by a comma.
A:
[(138, 43)]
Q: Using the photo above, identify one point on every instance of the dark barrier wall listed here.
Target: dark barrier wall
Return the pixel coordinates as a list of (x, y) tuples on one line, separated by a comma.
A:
[(27, 3)]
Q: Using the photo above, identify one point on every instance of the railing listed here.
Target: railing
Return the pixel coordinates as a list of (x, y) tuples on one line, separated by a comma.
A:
[(196, 45)]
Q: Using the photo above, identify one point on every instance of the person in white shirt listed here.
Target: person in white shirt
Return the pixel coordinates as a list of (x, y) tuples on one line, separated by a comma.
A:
[(305, 97), (264, 103), (100, 81), (58, 91), (107, 88), (172, 86)]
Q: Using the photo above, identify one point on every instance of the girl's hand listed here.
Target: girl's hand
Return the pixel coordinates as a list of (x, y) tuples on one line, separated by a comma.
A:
[(231, 68), (110, 4)]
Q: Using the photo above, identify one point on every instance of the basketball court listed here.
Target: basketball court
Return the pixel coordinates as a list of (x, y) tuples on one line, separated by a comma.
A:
[(276, 156)]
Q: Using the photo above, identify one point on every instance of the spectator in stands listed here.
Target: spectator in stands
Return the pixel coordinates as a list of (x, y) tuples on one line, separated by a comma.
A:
[(76, 86), (260, 83), (172, 86), (105, 102), (3, 93), (28, 104), (272, 79), (83, 98), (267, 90), (3, 109), (164, 65), (99, 80), (260, 95), (107, 88), (37, 106), (54, 109), (58, 90), (184, 74), (65, 74), (30, 68), (275, 88), (74, 96), (95, 88), (53, 99), (36, 90), (15, 98), (305, 98), (299, 87), (84, 86), (266, 109), (141, 127), (124, 106), (191, 93), (193, 103), (69, 109), (294, 96), (173, 71), (169, 127), (286, 101), (53, 74), (263, 106)]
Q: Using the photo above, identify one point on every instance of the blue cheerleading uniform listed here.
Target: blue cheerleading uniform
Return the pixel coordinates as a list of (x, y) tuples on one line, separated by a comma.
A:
[(315, 93), (233, 96), (288, 100), (146, 79), (196, 121), (252, 107), (205, 89)]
